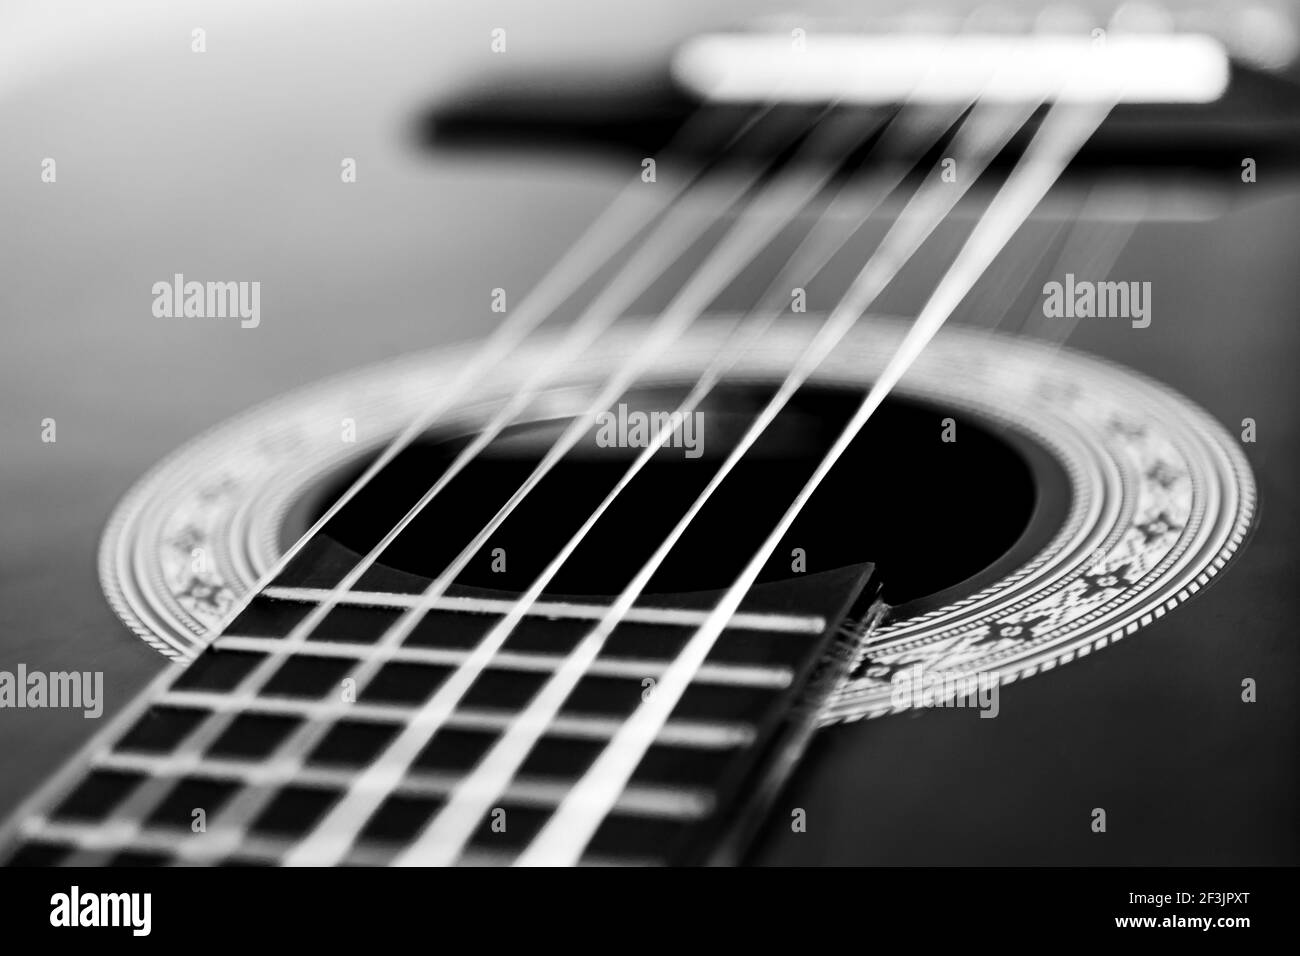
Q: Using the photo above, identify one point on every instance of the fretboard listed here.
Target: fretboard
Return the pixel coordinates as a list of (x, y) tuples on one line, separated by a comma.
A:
[(246, 753)]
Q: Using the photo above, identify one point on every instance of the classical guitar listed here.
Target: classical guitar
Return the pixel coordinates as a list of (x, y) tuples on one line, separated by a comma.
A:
[(522, 437)]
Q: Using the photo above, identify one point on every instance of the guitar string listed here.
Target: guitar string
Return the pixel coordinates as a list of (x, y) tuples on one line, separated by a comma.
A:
[(778, 204), (1091, 248), (977, 142), (992, 302), (148, 795), (569, 829)]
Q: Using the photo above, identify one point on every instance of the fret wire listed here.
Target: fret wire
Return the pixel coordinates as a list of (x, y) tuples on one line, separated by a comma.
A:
[(727, 675), (700, 734), (259, 848), (565, 835), (776, 205), (643, 800), (449, 830), (221, 840), (745, 621)]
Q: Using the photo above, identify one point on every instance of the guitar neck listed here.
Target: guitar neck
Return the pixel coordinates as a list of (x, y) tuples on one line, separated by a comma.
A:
[(265, 745)]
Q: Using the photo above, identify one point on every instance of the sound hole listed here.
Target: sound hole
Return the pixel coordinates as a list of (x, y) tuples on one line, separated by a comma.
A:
[(932, 513)]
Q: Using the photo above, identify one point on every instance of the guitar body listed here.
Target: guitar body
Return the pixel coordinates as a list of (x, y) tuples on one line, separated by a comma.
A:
[(231, 169)]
